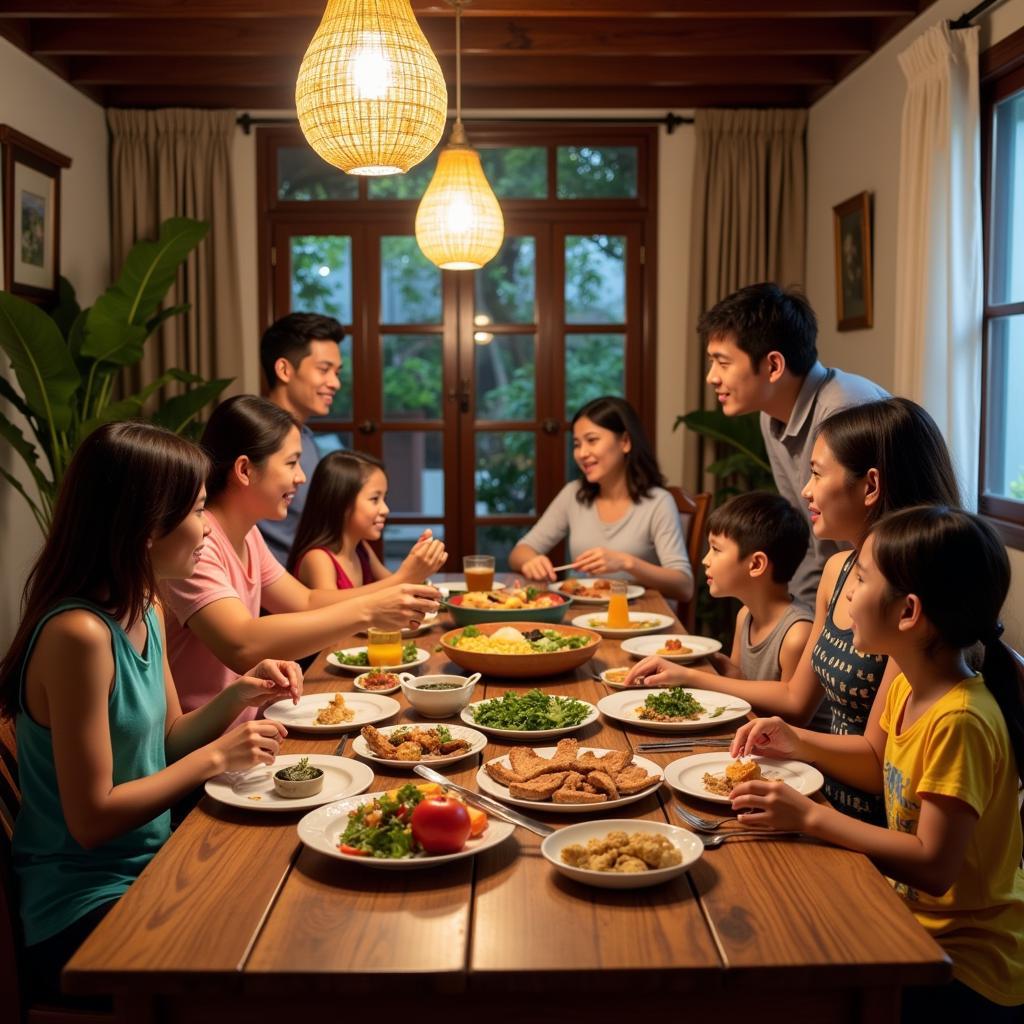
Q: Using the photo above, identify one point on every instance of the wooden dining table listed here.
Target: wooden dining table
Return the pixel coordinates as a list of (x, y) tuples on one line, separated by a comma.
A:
[(236, 920)]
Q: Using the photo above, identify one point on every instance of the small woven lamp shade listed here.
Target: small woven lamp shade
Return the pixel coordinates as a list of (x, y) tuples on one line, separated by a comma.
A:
[(370, 95), (459, 225)]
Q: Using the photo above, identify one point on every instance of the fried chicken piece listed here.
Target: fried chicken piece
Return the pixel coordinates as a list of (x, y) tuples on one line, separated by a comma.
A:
[(502, 775), (539, 788), (379, 744), (565, 755), (573, 780), (577, 796), (453, 746), (427, 739), (633, 779), (527, 765), (604, 783), (612, 763), (630, 865), (655, 851), (408, 752), (742, 771)]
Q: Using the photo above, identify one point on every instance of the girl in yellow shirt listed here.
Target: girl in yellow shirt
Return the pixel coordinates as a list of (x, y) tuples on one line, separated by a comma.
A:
[(947, 754)]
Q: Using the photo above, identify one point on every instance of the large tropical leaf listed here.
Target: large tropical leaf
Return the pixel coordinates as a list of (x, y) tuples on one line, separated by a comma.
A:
[(741, 432), (27, 450), (176, 413), (116, 325), (41, 360), (67, 309)]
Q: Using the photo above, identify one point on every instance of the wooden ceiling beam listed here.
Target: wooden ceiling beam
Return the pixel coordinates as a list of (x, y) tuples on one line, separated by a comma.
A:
[(491, 37), (626, 9), (528, 71)]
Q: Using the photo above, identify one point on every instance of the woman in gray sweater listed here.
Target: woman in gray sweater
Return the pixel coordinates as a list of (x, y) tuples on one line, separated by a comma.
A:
[(619, 519)]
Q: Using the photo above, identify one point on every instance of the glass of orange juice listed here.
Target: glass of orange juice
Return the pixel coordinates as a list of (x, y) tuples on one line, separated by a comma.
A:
[(479, 572), (383, 647), (618, 606)]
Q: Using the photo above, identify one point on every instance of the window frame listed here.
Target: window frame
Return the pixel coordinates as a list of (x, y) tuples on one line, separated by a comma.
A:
[(1002, 75)]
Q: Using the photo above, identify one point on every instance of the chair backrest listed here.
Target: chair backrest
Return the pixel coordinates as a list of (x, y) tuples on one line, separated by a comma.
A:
[(10, 791), (693, 512)]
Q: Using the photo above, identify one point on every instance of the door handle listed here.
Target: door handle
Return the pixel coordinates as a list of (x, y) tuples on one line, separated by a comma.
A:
[(367, 427), (464, 395), (550, 426)]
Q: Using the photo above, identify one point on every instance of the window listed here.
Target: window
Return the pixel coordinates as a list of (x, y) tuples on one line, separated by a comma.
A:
[(1001, 495)]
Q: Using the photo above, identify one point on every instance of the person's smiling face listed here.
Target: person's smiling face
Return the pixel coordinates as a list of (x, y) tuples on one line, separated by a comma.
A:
[(723, 566), (739, 388), (174, 555), (312, 385), (600, 453), (835, 500), (874, 609), (370, 510), (274, 481)]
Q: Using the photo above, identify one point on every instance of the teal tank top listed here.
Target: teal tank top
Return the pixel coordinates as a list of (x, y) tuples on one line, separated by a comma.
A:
[(59, 880)]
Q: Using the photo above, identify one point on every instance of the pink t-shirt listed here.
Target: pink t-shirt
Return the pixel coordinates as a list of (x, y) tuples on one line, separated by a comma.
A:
[(198, 673)]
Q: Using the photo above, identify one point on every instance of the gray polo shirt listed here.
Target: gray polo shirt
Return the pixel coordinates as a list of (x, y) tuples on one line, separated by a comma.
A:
[(789, 445), (280, 533)]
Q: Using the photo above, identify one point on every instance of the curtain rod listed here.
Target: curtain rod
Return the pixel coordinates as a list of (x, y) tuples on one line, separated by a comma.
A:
[(964, 21), (670, 121)]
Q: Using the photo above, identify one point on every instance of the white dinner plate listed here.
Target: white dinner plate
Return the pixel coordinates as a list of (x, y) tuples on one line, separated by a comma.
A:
[(407, 634), (532, 734), (687, 774), (368, 708), (645, 646), (487, 785), (335, 662), (477, 742), (254, 790), (590, 620), (623, 707), (688, 845), (321, 830), (610, 678), (633, 591), (459, 586)]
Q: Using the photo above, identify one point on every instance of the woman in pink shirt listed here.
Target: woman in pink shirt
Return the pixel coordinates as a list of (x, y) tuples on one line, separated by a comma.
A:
[(215, 624)]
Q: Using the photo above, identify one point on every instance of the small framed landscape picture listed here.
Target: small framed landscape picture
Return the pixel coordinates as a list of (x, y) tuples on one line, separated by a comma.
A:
[(852, 220), (30, 218)]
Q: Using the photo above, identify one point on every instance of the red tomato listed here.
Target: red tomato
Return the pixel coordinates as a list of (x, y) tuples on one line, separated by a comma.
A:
[(440, 825)]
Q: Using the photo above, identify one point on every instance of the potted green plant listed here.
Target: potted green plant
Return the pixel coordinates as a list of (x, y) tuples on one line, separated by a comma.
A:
[(65, 362)]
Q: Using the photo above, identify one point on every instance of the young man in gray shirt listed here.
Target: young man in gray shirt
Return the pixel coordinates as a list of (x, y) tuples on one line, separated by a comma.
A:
[(762, 345)]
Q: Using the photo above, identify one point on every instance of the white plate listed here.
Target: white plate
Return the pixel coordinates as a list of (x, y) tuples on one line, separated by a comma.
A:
[(321, 829), (639, 685), (687, 774), (633, 591), (362, 689), (487, 785), (254, 789), (368, 708), (623, 707), (533, 734), (477, 742), (334, 662), (645, 646), (459, 587), (685, 842), (587, 622), (407, 634)]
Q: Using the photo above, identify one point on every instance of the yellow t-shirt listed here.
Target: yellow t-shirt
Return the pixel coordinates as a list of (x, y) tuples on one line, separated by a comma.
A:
[(960, 748)]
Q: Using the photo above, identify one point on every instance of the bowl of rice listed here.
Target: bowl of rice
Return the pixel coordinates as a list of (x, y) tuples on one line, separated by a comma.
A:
[(520, 650)]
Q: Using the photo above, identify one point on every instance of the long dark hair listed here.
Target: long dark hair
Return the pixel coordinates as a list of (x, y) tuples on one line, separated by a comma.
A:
[(127, 483), (243, 425), (957, 567), (898, 438), (618, 416), (338, 479)]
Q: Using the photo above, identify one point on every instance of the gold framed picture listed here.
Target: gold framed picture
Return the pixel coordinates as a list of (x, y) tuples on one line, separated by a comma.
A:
[(854, 300)]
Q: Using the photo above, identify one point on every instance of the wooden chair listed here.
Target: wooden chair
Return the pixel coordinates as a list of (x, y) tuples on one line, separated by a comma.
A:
[(10, 791), (693, 513)]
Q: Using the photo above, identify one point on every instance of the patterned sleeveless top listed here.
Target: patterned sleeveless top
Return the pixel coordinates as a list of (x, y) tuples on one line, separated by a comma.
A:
[(850, 679)]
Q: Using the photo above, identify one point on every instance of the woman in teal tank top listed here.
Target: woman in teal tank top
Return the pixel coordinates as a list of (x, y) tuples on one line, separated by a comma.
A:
[(103, 748)]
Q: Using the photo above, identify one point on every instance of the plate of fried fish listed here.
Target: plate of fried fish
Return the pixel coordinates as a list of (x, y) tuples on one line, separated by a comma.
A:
[(403, 746), (332, 712), (569, 778)]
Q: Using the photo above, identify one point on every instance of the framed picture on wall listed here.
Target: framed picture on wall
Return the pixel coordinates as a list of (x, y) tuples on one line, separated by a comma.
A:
[(852, 220), (30, 218)]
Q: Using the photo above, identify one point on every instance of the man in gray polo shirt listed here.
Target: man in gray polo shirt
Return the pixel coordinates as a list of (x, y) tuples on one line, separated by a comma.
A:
[(301, 360), (762, 345)]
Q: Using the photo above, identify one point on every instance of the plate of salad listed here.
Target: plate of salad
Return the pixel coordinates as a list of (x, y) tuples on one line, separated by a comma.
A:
[(535, 714), (357, 661), (414, 826), (677, 709)]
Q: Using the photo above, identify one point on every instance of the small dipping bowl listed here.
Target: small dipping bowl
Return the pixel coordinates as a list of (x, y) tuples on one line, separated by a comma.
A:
[(297, 789), (454, 693)]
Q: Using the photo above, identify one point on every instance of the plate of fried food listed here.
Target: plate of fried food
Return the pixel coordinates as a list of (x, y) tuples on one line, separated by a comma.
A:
[(713, 776), (594, 591), (676, 709), (403, 746), (332, 712), (569, 778), (622, 853), (639, 624), (672, 647)]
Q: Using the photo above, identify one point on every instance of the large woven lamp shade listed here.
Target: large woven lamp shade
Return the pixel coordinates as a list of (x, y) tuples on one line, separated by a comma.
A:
[(370, 95)]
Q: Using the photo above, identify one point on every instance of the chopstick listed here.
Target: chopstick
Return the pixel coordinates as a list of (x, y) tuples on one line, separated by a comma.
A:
[(562, 568), (708, 741)]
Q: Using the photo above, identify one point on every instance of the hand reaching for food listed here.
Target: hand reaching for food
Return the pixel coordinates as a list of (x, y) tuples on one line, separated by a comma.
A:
[(538, 569), (269, 681), (427, 556), (247, 745), (770, 737), (601, 561), (766, 804), (655, 671)]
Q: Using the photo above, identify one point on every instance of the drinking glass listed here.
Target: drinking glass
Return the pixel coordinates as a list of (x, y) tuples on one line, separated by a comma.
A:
[(479, 572), (618, 606), (383, 647)]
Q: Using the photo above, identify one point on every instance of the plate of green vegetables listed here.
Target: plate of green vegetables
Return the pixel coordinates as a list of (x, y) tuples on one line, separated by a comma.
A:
[(677, 709), (535, 714)]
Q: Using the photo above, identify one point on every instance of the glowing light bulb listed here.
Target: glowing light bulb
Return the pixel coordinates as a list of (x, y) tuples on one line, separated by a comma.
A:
[(371, 74)]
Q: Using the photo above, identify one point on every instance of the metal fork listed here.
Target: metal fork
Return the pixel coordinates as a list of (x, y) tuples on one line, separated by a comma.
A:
[(711, 842), (699, 822)]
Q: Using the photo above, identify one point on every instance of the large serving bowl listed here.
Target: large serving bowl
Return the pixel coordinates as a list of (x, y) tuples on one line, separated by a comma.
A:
[(463, 616), (522, 666)]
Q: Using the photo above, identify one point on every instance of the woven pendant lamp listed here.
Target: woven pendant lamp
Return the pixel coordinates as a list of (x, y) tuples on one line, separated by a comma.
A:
[(370, 95), (459, 225)]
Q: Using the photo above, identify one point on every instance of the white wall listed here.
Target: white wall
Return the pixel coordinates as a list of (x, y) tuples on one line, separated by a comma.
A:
[(853, 142), (39, 104)]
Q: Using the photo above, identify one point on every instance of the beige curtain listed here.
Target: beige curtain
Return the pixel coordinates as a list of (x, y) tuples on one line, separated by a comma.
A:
[(177, 163), (747, 224)]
